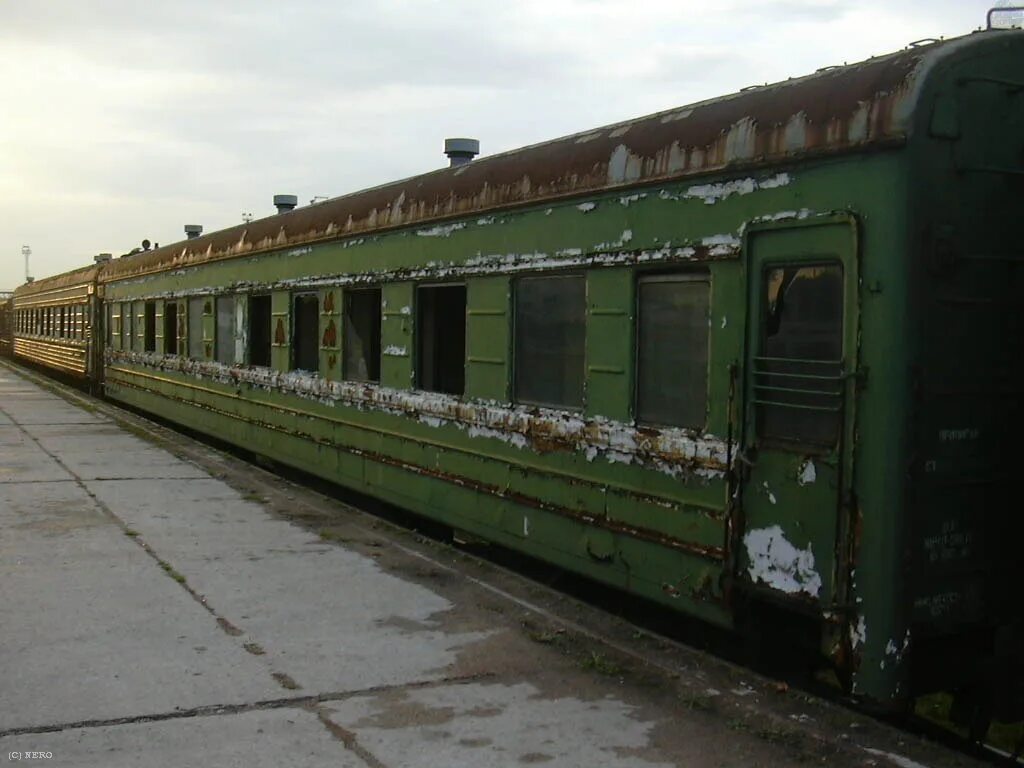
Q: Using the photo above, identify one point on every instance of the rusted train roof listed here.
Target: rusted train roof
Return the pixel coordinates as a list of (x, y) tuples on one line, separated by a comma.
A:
[(836, 109), (64, 280)]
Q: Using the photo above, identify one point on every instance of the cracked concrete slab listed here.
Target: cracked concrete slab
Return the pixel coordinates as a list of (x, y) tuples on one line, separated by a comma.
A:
[(276, 738), (313, 608), (493, 725), (93, 626)]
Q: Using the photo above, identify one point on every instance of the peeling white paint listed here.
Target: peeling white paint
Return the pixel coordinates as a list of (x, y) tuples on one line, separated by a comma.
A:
[(483, 222), (526, 526), (627, 200), (393, 351), (803, 213), (725, 321), (775, 562), (768, 492), (406, 310), (808, 474), (713, 193), (778, 180), (675, 452), (859, 632), (441, 230), (586, 207)]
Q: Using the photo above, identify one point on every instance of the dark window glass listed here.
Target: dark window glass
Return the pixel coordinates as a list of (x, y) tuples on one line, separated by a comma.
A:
[(361, 347), (672, 350), (306, 333), (195, 328), (798, 377), (441, 338), (259, 330), (225, 341), (149, 327), (170, 328), (550, 333)]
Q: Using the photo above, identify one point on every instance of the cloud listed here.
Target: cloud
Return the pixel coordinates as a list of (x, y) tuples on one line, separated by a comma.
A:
[(126, 120)]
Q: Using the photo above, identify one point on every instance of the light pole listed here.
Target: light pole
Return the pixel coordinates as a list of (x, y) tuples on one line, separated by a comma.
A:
[(26, 252)]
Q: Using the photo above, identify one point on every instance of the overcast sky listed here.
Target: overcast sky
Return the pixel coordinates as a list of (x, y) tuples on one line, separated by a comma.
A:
[(122, 120)]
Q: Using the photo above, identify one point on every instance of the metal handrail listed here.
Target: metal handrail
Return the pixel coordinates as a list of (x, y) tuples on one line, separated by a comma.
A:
[(795, 360), (1005, 9), (823, 393)]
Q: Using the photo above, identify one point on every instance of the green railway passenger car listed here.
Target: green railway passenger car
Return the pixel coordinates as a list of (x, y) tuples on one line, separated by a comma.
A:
[(755, 359)]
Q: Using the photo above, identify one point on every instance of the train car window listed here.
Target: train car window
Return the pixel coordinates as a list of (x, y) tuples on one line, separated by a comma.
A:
[(170, 328), (798, 376), (672, 350), (110, 324), (441, 338), (361, 343), (149, 327), (550, 335), (225, 342), (306, 333), (259, 330), (195, 328)]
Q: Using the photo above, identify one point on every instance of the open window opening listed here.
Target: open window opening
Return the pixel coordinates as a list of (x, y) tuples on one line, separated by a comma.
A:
[(361, 345), (306, 333), (441, 338), (259, 330), (170, 328), (149, 327)]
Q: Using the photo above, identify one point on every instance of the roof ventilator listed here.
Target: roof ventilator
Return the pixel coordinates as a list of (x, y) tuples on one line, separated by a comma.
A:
[(193, 230), (461, 151), (285, 203)]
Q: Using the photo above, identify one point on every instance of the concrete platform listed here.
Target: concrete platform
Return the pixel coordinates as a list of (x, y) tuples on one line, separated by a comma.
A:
[(163, 604)]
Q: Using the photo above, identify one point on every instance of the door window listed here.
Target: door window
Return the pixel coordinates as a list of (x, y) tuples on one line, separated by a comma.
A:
[(798, 382)]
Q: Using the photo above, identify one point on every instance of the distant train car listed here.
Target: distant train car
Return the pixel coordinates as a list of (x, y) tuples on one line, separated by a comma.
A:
[(6, 303), (53, 321), (754, 358)]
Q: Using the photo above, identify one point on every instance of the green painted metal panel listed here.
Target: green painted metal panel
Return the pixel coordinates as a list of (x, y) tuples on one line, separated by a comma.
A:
[(330, 334), (281, 331), (159, 330), (209, 328), (610, 348), (139, 308), (488, 332), (396, 335)]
